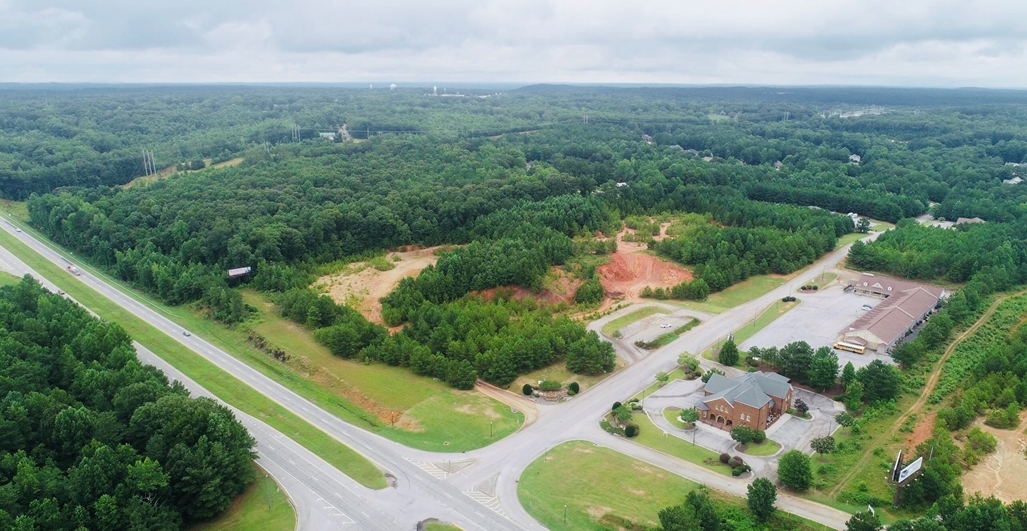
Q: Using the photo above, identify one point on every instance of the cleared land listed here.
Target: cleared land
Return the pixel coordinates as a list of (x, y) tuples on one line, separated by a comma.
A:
[(1002, 474), (360, 285), (410, 409), (559, 373), (262, 507), (224, 386)]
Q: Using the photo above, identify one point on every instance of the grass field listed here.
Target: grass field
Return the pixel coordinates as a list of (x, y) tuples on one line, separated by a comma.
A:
[(224, 386), (7, 279), (262, 507), (595, 482), (740, 293), (428, 414), (598, 488), (637, 315)]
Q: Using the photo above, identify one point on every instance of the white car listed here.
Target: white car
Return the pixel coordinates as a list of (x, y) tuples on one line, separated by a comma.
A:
[(867, 307), (17, 230), (665, 326)]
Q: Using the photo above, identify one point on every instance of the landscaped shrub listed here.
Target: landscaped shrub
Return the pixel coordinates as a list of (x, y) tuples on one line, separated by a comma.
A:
[(631, 430), (724, 458), (758, 436), (550, 385), (635, 406), (616, 405), (735, 462), (527, 389), (739, 470), (788, 299), (573, 388)]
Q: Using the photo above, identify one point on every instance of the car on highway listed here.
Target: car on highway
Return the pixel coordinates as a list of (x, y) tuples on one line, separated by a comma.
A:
[(17, 230), (186, 333), (60, 292), (664, 326)]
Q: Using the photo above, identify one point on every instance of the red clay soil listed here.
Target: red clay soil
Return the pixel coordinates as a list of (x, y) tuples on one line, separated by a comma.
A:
[(629, 272), (923, 431), (562, 289)]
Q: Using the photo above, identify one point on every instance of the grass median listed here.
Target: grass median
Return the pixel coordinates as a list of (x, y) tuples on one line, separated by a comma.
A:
[(205, 373)]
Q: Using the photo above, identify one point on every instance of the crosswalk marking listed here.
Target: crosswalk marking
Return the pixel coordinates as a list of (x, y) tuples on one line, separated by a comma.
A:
[(492, 502), (431, 469)]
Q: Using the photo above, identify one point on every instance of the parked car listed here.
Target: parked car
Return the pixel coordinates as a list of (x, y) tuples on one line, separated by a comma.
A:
[(867, 307)]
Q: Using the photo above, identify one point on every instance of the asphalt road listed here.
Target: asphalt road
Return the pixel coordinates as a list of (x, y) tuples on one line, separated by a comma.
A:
[(481, 491)]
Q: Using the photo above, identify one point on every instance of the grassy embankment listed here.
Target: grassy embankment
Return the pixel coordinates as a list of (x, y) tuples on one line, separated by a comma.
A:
[(391, 401), (665, 339), (7, 279), (428, 414), (224, 386), (603, 488), (262, 507)]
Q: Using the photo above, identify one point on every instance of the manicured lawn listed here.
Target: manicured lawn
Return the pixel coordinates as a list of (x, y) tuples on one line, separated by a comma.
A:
[(251, 511), (740, 293), (767, 447), (428, 414), (671, 414), (598, 488), (848, 238), (823, 280), (652, 436), (224, 386), (595, 483), (637, 315), (7, 279)]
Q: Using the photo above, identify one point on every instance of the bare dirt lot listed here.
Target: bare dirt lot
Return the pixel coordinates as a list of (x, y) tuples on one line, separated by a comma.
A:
[(631, 269), (1003, 474), (361, 285)]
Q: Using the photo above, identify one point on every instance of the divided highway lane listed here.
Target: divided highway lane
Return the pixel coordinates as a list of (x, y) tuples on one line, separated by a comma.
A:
[(417, 494)]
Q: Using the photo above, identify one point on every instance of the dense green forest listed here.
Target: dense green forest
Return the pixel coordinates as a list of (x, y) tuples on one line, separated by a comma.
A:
[(92, 439)]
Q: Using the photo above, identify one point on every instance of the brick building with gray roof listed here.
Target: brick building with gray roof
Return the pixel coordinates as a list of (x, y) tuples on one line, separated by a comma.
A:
[(755, 399)]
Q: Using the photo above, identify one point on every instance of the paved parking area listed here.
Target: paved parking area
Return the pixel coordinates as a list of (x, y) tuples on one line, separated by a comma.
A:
[(817, 321)]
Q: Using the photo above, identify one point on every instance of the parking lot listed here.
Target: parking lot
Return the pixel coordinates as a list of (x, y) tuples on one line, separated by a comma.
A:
[(817, 320)]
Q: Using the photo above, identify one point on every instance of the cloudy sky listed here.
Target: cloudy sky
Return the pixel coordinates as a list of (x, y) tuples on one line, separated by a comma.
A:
[(946, 43)]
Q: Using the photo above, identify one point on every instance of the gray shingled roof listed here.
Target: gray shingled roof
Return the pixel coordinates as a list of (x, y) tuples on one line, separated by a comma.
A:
[(751, 388)]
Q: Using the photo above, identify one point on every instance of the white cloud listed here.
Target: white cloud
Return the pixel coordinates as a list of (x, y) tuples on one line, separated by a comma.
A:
[(914, 42)]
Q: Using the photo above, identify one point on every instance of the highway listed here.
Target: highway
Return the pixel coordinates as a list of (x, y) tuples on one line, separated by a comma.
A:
[(482, 493)]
